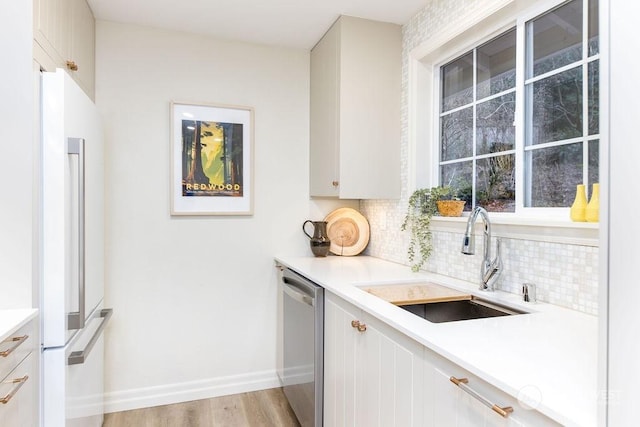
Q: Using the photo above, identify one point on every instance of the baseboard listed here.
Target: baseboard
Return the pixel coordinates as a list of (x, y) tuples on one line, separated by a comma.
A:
[(184, 392)]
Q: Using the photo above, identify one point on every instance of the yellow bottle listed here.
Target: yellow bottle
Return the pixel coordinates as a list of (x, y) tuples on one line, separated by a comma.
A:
[(577, 211), (592, 212)]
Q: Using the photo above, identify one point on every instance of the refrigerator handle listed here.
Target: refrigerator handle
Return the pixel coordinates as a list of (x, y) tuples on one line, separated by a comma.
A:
[(76, 320), (78, 357)]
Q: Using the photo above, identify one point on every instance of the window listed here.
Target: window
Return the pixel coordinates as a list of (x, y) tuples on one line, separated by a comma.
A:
[(511, 136)]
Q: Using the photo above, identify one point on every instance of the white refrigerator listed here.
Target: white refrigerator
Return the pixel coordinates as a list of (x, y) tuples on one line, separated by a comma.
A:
[(72, 227)]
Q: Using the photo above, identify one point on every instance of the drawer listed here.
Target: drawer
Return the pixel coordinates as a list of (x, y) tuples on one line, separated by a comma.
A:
[(461, 398), (15, 348), (20, 391)]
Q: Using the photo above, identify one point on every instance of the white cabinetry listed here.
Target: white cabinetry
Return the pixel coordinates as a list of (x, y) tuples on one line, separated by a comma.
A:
[(64, 37), (19, 377), (450, 405), (373, 374), (355, 111)]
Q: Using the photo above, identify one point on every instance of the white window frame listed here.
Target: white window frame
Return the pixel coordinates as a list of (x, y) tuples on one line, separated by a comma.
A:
[(479, 24)]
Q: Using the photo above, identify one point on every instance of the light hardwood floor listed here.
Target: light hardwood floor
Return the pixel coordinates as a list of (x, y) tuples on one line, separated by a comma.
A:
[(260, 408)]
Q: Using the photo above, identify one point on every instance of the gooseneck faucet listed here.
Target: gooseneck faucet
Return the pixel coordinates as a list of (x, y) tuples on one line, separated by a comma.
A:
[(490, 269)]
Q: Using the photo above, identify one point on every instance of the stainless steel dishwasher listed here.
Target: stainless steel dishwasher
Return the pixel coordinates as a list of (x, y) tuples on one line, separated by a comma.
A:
[(303, 346)]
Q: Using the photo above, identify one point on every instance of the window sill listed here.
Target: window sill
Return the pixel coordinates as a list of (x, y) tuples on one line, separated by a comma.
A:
[(538, 229)]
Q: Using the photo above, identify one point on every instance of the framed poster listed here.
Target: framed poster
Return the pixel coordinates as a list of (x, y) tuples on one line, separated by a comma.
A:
[(211, 159)]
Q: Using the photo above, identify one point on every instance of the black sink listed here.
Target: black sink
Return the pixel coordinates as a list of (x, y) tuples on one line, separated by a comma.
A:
[(451, 311)]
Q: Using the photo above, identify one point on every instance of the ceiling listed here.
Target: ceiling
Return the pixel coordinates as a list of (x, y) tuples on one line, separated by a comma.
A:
[(290, 23)]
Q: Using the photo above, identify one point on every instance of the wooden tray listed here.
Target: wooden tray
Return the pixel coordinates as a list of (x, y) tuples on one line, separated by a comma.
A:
[(416, 293)]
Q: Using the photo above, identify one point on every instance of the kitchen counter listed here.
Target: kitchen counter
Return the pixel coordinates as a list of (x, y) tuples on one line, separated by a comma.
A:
[(547, 358), (14, 319)]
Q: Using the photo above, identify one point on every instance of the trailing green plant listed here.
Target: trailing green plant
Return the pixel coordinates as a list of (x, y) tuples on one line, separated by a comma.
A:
[(421, 207)]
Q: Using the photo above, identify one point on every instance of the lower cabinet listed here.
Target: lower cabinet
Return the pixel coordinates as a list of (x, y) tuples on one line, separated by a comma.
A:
[(373, 374), (456, 398), (19, 391), (19, 379), (377, 376)]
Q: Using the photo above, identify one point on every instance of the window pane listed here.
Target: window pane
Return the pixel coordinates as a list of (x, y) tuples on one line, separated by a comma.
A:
[(456, 135), (496, 65), (460, 177), (594, 29), (594, 98), (494, 125), (457, 82), (594, 162), (496, 183), (557, 38), (555, 172), (557, 107)]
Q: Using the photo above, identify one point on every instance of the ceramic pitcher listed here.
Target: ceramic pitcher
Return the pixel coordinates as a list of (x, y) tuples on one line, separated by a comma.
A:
[(319, 242)]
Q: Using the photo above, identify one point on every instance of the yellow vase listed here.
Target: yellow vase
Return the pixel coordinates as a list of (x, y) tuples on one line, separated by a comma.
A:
[(592, 212), (579, 206)]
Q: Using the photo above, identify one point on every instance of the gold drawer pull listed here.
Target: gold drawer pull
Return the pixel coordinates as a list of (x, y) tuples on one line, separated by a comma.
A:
[(72, 65), (503, 411), (355, 323), (17, 341), (19, 382)]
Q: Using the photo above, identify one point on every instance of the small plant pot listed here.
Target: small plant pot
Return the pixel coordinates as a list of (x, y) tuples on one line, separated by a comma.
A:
[(450, 207)]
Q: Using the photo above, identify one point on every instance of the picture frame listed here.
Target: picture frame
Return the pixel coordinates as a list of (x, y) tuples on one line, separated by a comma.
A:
[(211, 159)]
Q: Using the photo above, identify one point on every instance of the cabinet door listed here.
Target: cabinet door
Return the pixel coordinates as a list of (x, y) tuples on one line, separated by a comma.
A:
[(82, 45), (51, 21), (339, 365), (388, 376), (373, 375), (370, 87), (324, 111)]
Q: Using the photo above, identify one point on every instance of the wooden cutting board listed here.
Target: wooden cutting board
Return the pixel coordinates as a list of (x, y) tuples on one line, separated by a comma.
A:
[(416, 293)]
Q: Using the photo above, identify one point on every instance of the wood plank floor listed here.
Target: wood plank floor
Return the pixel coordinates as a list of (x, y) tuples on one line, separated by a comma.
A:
[(261, 408)]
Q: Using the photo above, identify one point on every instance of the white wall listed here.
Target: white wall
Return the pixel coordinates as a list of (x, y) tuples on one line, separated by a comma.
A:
[(17, 156), (194, 298)]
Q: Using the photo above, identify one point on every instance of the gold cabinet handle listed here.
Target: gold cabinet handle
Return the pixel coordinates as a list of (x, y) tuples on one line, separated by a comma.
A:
[(72, 65), (17, 341), (361, 327), (503, 411), (19, 382), (335, 183)]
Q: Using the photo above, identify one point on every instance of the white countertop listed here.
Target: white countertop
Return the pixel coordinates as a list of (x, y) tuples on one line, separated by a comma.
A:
[(14, 319), (550, 353)]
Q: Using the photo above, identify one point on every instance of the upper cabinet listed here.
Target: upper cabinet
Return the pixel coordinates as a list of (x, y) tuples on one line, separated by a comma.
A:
[(64, 37), (355, 111)]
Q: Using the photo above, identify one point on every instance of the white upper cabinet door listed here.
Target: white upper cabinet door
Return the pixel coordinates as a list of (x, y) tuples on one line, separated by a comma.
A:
[(64, 37), (51, 21), (355, 111), (83, 40)]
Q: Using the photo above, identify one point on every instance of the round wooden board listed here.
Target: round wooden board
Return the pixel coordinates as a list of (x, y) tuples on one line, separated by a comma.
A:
[(348, 231)]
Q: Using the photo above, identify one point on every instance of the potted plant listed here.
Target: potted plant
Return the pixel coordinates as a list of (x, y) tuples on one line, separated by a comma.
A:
[(422, 205), (448, 202)]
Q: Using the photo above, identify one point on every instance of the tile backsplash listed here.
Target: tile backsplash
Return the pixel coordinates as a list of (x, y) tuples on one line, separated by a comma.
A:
[(565, 274)]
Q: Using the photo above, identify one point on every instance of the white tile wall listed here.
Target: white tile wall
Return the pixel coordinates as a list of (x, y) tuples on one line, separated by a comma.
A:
[(565, 275)]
